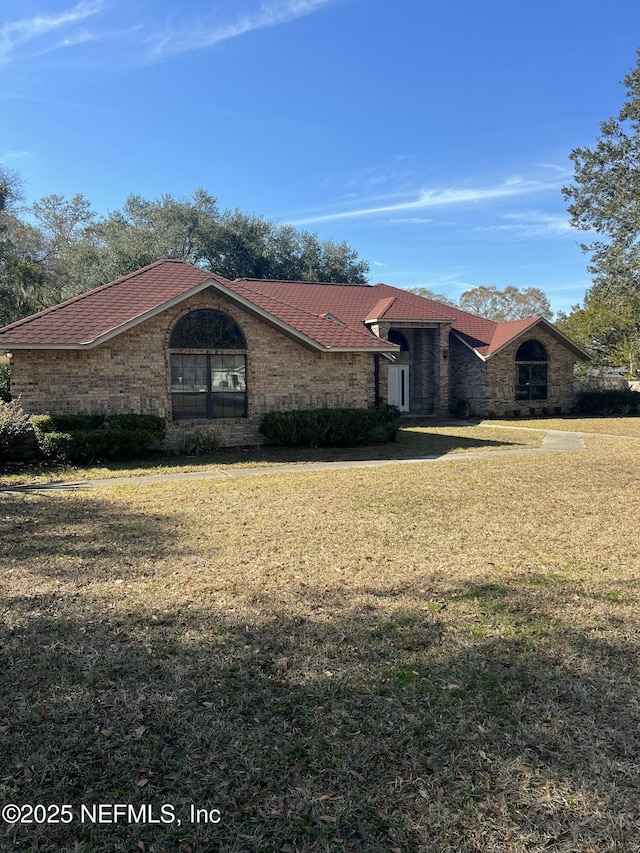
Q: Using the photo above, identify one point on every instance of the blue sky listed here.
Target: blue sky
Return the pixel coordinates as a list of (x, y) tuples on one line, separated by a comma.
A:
[(432, 136)]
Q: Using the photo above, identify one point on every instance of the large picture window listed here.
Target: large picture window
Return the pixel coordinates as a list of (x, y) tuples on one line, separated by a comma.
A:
[(208, 378), (531, 371)]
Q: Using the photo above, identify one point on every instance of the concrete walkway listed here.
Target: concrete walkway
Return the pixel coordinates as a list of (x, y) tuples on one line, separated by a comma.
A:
[(555, 441)]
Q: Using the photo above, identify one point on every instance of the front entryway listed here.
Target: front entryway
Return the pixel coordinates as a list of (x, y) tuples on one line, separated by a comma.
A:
[(399, 386)]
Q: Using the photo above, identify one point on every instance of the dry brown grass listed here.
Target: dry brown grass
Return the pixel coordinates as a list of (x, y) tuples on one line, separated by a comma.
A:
[(412, 441), (605, 425), (416, 659)]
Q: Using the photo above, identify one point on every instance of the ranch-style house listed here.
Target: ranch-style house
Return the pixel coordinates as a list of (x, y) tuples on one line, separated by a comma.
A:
[(205, 353)]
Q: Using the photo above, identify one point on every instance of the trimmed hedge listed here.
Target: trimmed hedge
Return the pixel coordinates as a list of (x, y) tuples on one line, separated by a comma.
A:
[(82, 439), (65, 423), (331, 427), (614, 402)]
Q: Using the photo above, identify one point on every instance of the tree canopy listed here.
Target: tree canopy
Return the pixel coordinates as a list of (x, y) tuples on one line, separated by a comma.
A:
[(430, 294), (64, 248), (59, 248), (21, 274), (512, 303), (605, 198)]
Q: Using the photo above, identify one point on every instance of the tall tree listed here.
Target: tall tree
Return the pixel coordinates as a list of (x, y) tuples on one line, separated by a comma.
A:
[(605, 193), (607, 326), (64, 228), (21, 271), (435, 297), (605, 199), (512, 303), (232, 243)]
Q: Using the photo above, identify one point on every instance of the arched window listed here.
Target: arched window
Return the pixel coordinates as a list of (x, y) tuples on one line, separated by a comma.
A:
[(208, 367), (206, 329), (396, 337), (531, 371)]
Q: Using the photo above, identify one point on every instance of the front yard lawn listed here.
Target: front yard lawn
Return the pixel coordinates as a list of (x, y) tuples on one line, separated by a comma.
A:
[(413, 441), (574, 423), (414, 658)]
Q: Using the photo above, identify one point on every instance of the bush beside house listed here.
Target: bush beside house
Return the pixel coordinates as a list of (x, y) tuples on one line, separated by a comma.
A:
[(82, 439), (331, 427), (608, 402), (14, 427)]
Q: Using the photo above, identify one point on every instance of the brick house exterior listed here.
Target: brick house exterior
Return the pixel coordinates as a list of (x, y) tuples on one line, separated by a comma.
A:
[(279, 346), (487, 386)]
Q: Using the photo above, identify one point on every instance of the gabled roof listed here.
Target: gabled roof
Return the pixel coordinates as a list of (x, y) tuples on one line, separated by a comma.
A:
[(324, 316), (509, 330), (95, 316)]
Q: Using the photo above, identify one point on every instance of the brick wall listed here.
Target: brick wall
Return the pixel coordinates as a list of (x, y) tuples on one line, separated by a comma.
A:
[(467, 378), (428, 369), (131, 373), (501, 378), (489, 387)]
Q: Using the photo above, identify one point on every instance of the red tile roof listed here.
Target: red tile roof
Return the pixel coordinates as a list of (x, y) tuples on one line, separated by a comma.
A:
[(303, 307), (326, 316), (86, 319)]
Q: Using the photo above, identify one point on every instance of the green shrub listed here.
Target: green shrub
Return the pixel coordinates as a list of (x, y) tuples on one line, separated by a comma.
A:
[(5, 380), (200, 444), (331, 427), (54, 445), (65, 423), (83, 446), (608, 402), (146, 423), (82, 439), (388, 423), (14, 426)]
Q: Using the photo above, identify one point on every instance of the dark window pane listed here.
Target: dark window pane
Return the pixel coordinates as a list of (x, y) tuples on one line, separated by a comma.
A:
[(188, 372), (208, 386), (207, 329), (531, 382), (228, 403), (531, 351), (189, 406), (539, 374), (531, 378)]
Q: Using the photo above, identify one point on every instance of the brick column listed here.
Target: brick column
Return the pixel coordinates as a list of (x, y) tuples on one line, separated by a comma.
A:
[(441, 401)]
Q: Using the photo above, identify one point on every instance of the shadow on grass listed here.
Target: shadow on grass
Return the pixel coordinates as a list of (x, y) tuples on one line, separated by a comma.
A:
[(350, 731), (417, 440), (82, 538)]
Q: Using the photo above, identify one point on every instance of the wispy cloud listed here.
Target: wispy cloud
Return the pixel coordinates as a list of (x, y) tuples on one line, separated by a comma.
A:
[(16, 34), (13, 156), (428, 198), (206, 34), (532, 223), (142, 39), (411, 220)]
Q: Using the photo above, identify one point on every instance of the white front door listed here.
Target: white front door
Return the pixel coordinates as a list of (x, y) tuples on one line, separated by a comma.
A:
[(399, 386)]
